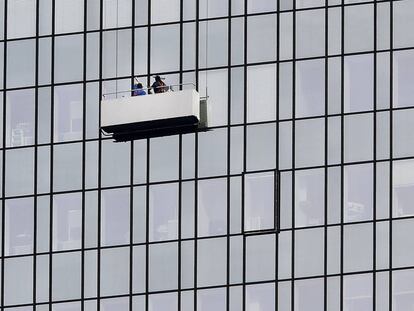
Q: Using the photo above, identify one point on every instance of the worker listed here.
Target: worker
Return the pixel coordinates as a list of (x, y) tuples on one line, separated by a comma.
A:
[(159, 86), (137, 90)]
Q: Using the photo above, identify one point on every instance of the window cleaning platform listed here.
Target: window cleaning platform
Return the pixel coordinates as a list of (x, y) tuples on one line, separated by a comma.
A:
[(153, 115)]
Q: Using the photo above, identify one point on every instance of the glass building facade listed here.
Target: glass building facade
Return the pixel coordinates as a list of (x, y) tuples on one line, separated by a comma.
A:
[(299, 197)]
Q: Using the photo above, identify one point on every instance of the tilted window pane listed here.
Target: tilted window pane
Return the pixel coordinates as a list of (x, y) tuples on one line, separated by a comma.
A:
[(260, 201)]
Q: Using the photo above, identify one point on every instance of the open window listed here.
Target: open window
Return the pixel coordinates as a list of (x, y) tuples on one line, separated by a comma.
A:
[(261, 201)]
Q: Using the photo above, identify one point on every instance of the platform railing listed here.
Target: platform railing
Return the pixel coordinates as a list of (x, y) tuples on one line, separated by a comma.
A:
[(149, 91)]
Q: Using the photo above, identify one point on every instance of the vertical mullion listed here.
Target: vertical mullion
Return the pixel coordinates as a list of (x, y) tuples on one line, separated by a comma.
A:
[(342, 158), (197, 71), (149, 45), (228, 180), (277, 222), (36, 102), (180, 189), (52, 138), (245, 45), (391, 170), (3, 186), (147, 205), (181, 64), (374, 169), (98, 264), (131, 194), (85, 47), (293, 155), (325, 197)]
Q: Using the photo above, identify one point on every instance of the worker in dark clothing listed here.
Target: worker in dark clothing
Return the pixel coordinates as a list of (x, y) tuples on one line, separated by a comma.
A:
[(137, 90), (159, 86)]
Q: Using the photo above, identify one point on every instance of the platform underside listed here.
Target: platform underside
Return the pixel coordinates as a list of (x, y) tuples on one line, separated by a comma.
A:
[(155, 128)]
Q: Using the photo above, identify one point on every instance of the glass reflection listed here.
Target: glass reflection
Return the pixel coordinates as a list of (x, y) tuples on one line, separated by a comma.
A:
[(19, 226), (212, 207), (403, 188), (115, 216), (67, 221), (309, 197), (163, 209), (259, 202), (20, 118), (211, 299), (358, 193), (260, 297), (68, 113), (358, 292)]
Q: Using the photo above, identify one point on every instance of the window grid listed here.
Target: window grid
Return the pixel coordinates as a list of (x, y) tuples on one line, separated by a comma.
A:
[(293, 169)]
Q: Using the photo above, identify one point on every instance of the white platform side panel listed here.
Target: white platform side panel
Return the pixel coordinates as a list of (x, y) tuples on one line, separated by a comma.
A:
[(150, 107)]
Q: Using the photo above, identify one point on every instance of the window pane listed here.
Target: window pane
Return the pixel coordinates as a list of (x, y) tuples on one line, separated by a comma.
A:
[(403, 23), (68, 113), (67, 221), (212, 207), (163, 209), (20, 63), (68, 15), (114, 271), (67, 167), (19, 226), (309, 250), (115, 217), (163, 266), (211, 269), (18, 276), (403, 133), (358, 137), (211, 299), (260, 297), (358, 292), (21, 18), (261, 38), (358, 247), (68, 58), (66, 275), (20, 118), (19, 162), (259, 209), (165, 38), (310, 33), (309, 142), (359, 28), (260, 258)]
